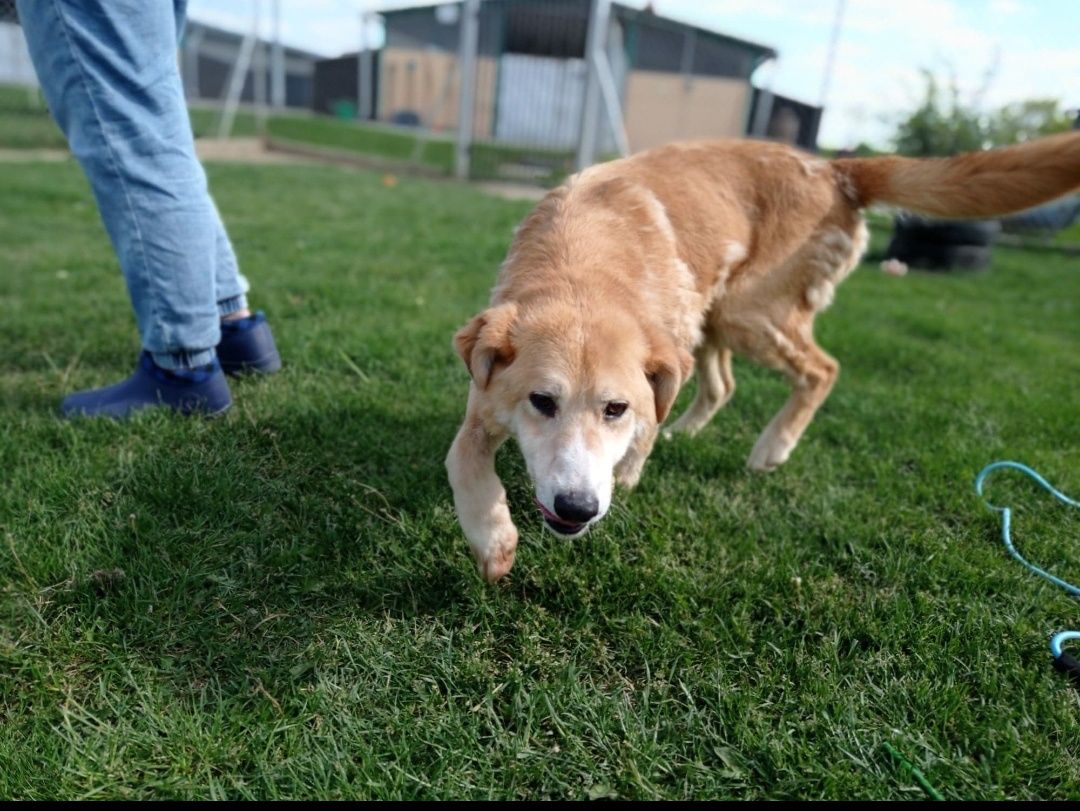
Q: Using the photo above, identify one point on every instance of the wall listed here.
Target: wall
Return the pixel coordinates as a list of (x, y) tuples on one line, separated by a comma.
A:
[(425, 82), (665, 107)]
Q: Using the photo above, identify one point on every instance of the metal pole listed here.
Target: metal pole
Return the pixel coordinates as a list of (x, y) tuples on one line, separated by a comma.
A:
[(236, 85), (259, 70), (759, 127), (595, 42), (192, 46), (364, 71), (687, 66), (277, 57), (830, 60), (469, 38), (610, 94)]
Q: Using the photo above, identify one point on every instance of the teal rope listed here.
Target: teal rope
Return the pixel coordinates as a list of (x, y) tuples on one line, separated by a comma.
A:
[(1006, 524)]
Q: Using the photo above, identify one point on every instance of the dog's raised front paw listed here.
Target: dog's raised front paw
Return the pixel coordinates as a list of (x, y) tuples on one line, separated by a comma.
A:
[(495, 557)]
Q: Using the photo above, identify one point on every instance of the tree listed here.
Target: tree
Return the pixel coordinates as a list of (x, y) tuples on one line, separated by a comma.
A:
[(1028, 119), (940, 126), (945, 124)]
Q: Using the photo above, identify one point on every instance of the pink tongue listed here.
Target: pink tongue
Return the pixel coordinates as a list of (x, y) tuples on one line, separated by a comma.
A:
[(549, 514)]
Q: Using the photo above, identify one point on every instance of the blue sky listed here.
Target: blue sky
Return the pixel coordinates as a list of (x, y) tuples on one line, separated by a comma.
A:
[(1030, 47)]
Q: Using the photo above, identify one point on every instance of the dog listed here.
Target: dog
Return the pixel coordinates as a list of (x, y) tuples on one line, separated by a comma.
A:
[(636, 273)]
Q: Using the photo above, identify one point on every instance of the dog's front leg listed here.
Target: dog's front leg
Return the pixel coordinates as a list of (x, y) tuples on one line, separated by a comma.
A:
[(628, 471), (480, 499)]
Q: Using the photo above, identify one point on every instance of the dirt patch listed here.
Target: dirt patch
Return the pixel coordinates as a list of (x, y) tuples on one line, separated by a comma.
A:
[(256, 150), (237, 150), (242, 150), (27, 155), (513, 191)]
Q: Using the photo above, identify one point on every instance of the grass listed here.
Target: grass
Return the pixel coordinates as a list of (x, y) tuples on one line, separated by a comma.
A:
[(25, 121), (206, 120), (25, 124), (297, 614), (1068, 236), (384, 142), (546, 167)]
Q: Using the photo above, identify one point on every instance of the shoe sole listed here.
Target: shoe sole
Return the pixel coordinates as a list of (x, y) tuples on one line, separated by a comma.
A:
[(83, 415), (268, 365)]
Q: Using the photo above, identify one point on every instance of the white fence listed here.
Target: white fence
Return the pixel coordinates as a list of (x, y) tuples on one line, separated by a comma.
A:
[(15, 66)]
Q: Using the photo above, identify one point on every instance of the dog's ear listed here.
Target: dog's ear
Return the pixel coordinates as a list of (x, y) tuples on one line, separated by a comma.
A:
[(668, 368), (484, 342)]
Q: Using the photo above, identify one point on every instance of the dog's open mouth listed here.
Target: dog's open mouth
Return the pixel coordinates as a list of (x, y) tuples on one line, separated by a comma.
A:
[(559, 525)]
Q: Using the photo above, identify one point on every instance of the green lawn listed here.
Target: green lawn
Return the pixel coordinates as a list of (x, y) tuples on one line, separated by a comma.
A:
[(298, 615), (401, 146), (1068, 236), (391, 144), (25, 124), (205, 122), (25, 121)]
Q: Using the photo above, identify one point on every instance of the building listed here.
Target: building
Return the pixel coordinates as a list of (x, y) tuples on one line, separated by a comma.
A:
[(207, 57), (784, 119), (675, 80)]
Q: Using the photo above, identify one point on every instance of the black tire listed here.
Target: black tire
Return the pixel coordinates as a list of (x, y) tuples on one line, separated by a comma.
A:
[(935, 256), (947, 232)]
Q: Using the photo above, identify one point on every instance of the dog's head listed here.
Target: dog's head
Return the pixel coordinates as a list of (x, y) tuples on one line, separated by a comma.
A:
[(576, 388)]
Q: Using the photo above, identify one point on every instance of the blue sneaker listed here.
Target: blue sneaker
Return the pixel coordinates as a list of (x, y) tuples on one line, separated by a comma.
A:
[(186, 391), (247, 345)]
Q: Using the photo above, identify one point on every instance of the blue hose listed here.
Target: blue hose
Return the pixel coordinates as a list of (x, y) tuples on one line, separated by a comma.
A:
[(1062, 659)]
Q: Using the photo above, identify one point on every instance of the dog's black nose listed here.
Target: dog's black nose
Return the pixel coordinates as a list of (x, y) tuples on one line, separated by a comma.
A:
[(576, 507)]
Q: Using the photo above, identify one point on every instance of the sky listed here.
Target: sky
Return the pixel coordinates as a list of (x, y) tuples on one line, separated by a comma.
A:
[(1000, 51)]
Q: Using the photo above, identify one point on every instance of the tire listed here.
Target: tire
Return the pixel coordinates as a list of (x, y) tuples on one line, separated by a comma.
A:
[(1050, 217), (947, 232), (936, 256)]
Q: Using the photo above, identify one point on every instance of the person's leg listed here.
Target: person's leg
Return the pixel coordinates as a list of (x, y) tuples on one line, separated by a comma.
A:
[(109, 73), (247, 345), (230, 286)]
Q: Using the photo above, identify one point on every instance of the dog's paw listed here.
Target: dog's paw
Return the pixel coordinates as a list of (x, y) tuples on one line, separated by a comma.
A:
[(770, 451), (495, 559), (496, 568), (683, 425)]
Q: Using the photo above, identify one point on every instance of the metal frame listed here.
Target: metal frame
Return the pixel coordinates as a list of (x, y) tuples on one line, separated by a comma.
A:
[(468, 43)]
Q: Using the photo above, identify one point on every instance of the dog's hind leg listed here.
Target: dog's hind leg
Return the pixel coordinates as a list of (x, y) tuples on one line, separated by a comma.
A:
[(812, 373), (716, 384), (479, 498)]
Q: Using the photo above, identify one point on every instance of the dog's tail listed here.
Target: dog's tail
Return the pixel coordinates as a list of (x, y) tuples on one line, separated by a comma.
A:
[(975, 184)]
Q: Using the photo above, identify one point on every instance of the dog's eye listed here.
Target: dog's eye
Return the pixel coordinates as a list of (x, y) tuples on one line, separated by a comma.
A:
[(612, 411), (543, 403)]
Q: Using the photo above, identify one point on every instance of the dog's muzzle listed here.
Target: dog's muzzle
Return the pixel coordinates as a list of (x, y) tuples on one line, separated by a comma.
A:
[(565, 524)]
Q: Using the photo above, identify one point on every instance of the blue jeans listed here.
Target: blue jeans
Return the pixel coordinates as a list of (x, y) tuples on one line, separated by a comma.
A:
[(108, 70)]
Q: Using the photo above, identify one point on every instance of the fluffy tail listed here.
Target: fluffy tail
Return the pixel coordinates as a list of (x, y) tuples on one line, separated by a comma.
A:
[(975, 184)]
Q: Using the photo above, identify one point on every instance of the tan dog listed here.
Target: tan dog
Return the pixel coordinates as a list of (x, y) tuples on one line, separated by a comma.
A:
[(634, 273)]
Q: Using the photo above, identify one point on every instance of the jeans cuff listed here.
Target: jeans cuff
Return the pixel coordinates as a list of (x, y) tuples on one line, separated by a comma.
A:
[(232, 305), (184, 360)]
